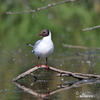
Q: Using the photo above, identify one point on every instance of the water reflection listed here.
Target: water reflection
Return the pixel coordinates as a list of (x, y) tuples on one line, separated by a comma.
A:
[(46, 82), (60, 88), (41, 85)]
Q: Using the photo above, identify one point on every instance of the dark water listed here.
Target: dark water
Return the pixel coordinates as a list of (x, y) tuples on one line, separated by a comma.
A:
[(44, 84)]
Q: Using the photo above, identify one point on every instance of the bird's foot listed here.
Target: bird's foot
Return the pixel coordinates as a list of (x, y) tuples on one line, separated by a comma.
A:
[(47, 94), (47, 66), (39, 65)]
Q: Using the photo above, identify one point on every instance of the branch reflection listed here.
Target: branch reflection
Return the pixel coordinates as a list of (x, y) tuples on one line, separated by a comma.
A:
[(61, 87)]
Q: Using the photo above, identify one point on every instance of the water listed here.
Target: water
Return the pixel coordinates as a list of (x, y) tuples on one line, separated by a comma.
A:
[(44, 84)]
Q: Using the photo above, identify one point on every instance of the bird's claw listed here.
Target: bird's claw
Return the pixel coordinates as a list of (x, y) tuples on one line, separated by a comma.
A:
[(39, 65), (47, 66), (47, 94)]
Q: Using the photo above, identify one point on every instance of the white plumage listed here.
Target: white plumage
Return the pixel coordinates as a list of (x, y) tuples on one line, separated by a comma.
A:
[(44, 47)]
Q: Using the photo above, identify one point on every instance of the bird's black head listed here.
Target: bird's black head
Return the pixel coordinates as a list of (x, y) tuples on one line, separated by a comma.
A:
[(44, 33)]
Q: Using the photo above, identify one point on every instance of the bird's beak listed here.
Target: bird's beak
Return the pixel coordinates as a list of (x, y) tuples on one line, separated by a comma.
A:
[(40, 34)]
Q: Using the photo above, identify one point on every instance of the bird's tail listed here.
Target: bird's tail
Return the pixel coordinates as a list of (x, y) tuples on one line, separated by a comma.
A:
[(30, 45)]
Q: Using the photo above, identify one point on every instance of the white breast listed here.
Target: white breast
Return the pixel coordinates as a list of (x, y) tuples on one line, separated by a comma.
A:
[(44, 48)]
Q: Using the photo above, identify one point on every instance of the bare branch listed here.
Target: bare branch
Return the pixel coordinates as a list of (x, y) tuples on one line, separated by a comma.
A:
[(25, 73), (91, 28), (64, 73), (77, 47), (74, 46), (41, 8)]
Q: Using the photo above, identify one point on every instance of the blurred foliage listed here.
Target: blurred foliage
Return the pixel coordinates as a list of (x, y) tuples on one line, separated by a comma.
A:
[(65, 20)]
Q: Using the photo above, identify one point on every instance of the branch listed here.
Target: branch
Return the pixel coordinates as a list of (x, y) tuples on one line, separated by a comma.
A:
[(77, 47), (25, 73), (74, 46), (91, 28), (41, 8), (62, 73)]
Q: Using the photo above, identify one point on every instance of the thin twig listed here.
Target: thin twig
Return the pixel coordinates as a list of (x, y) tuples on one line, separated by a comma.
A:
[(77, 47), (91, 28), (25, 73), (74, 46), (64, 73), (41, 8)]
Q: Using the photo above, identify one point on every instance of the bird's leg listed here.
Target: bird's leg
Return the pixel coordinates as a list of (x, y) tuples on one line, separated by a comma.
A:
[(38, 64), (47, 63)]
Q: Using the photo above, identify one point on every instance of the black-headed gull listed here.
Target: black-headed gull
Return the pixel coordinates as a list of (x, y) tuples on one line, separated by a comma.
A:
[(44, 47)]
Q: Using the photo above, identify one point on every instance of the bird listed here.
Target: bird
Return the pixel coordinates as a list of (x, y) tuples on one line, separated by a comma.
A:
[(43, 47)]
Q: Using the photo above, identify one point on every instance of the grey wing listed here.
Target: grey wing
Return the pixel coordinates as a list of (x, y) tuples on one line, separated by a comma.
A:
[(36, 44), (33, 46)]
